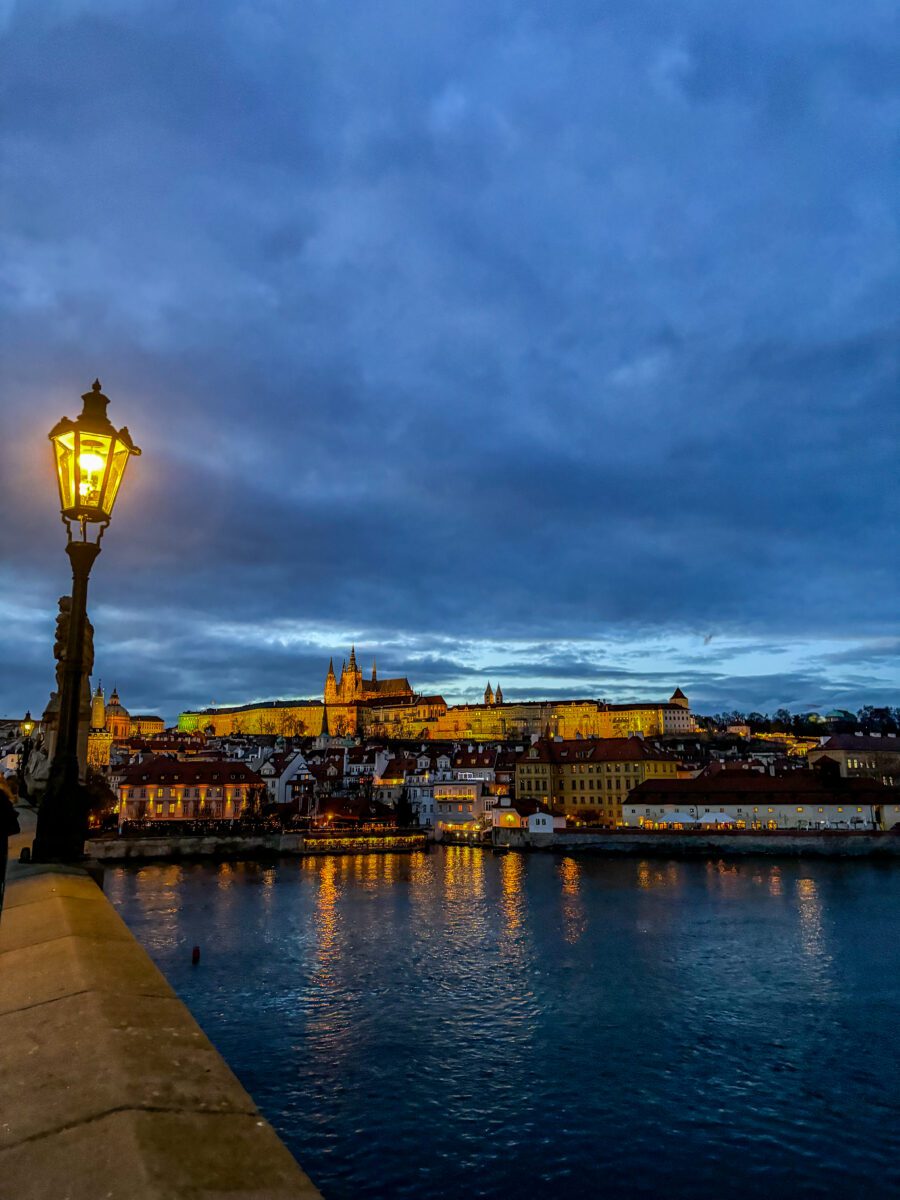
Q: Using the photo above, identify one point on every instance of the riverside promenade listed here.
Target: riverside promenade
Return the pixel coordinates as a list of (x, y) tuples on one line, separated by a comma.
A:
[(109, 1090)]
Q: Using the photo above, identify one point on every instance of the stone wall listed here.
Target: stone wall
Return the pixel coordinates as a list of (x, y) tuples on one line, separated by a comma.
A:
[(263, 845), (702, 845), (109, 1087)]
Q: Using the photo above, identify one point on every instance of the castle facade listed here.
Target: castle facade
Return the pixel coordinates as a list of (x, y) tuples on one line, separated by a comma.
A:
[(358, 706)]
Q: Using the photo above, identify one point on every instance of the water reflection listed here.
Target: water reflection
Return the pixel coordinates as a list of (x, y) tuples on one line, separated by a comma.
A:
[(512, 878), (812, 932), (574, 922), (725, 878), (658, 875), (327, 922)]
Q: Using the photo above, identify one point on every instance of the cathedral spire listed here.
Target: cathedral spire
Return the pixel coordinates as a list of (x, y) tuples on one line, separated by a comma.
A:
[(352, 658), (330, 684), (374, 672)]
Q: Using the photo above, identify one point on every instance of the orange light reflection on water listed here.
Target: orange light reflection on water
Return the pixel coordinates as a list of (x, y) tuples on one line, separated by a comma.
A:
[(512, 877), (653, 876), (327, 921), (574, 920)]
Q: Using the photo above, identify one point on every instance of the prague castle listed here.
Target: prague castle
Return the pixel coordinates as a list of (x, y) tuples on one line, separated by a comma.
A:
[(354, 705)]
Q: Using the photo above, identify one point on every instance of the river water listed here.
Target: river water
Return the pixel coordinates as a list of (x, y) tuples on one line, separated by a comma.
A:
[(457, 1024)]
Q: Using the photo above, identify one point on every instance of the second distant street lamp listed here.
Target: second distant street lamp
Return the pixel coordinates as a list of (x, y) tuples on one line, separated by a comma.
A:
[(26, 729), (91, 457)]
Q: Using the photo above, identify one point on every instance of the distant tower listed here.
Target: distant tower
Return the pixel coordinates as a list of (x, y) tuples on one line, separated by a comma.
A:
[(331, 690), (354, 683), (374, 672), (489, 694), (679, 698), (498, 695), (98, 708)]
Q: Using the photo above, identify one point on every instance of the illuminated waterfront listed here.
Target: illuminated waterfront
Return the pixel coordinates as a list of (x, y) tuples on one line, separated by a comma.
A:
[(452, 1023)]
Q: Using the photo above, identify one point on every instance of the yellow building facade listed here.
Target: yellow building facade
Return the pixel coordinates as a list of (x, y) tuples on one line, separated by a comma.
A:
[(589, 780), (354, 705)]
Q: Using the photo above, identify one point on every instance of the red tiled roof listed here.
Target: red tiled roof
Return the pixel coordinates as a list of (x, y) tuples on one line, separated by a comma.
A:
[(808, 785), (852, 741), (474, 758), (592, 750), (170, 770)]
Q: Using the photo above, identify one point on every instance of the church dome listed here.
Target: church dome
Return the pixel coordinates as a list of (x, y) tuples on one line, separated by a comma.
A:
[(116, 707)]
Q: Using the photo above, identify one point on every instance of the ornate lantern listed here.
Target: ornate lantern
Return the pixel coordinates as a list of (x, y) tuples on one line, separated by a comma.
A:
[(91, 457)]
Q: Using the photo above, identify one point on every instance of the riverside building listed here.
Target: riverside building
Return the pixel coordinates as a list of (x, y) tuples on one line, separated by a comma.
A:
[(164, 789), (752, 800), (590, 779)]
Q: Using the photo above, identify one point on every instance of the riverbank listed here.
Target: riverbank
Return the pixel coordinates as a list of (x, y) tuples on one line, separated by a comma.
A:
[(742, 844), (238, 846)]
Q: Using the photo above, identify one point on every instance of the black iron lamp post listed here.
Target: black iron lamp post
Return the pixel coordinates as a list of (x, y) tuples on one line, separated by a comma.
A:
[(26, 729), (91, 457)]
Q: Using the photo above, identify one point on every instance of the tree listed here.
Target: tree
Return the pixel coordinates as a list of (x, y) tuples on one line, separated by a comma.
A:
[(404, 811), (99, 798), (255, 798), (783, 718)]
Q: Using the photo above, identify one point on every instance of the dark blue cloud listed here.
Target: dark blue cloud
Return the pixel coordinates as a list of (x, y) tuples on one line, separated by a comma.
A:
[(480, 324)]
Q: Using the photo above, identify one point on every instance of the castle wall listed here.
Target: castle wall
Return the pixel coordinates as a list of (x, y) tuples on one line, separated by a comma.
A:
[(287, 720)]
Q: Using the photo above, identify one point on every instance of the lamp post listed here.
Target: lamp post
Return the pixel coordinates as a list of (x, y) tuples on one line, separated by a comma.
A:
[(26, 729), (91, 457)]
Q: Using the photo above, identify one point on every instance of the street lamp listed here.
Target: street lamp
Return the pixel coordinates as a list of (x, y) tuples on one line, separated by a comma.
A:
[(91, 457), (26, 729)]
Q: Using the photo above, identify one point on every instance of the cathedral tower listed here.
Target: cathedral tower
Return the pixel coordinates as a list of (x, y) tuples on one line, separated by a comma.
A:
[(331, 689), (489, 694)]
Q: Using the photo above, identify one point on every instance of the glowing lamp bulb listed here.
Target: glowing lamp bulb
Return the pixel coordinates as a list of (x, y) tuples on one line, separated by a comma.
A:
[(90, 463)]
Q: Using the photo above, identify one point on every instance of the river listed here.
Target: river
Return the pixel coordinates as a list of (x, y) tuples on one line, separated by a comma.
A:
[(455, 1023)]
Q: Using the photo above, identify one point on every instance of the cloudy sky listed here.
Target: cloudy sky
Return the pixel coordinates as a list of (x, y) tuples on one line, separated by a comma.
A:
[(554, 343)]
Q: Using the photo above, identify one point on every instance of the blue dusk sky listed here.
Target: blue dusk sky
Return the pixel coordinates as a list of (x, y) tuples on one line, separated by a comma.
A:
[(550, 343)]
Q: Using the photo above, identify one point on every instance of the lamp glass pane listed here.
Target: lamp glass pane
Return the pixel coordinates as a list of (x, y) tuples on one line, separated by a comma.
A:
[(120, 457), (64, 449), (93, 454)]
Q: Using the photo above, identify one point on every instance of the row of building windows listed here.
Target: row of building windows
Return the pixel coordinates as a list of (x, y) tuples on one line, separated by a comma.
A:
[(141, 793), (800, 809), (590, 769)]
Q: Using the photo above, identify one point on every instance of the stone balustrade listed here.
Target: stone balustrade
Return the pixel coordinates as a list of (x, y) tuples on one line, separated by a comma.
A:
[(109, 1090)]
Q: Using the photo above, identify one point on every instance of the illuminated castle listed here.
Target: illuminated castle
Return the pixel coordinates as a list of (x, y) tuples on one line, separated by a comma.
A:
[(389, 708), (351, 688)]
